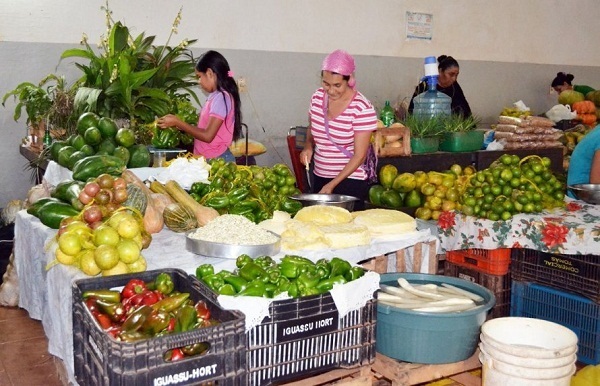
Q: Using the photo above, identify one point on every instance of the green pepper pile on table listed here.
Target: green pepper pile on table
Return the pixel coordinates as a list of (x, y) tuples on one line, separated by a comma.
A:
[(144, 310), (251, 191), (263, 277)]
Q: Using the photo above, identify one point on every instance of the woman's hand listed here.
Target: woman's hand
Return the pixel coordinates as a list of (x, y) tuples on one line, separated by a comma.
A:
[(328, 188), (169, 120), (305, 157)]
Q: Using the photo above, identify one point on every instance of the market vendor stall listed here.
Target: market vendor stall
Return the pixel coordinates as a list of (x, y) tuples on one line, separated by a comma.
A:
[(46, 294)]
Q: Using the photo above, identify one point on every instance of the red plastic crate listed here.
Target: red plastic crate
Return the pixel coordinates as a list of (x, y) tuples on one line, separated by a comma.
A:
[(498, 284), (490, 261)]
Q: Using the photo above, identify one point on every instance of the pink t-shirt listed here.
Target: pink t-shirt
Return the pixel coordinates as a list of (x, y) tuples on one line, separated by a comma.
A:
[(222, 108), (358, 116)]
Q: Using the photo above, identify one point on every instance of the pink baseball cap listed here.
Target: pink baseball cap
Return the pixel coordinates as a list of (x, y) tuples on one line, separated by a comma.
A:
[(341, 62)]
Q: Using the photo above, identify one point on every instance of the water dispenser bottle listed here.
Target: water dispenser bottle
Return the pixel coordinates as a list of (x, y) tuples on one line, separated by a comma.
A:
[(431, 102)]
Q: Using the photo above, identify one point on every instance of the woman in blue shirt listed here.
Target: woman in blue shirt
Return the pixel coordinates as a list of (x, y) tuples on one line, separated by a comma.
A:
[(584, 166)]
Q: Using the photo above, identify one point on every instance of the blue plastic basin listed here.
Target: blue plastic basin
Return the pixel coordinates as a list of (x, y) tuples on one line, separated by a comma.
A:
[(430, 338)]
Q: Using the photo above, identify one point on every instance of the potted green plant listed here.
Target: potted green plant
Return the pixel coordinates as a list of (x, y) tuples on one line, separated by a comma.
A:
[(424, 133), (131, 78), (461, 134)]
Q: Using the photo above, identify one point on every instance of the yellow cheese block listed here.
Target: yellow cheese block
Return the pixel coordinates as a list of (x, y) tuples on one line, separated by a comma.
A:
[(348, 235), (323, 215), (385, 222)]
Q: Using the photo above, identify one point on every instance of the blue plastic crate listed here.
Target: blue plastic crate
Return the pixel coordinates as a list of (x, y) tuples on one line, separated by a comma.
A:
[(577, 313)]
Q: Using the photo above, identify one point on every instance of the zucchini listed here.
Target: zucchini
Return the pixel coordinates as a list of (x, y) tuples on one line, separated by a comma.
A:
[(68, 191), (94, 165), (35, 207), (52, 213)]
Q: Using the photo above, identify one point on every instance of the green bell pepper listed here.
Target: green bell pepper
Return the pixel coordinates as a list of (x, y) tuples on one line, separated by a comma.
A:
[(226, 289), (237, 282), (165, 138), (204, 270), (327, 284), (306, 281), (354, 273), (291, 266), (264, 261), (238, 194), (163, 283), (251, 271), (214, 282), (254, 288), (186, 318), (323, 268), (200, 188), (339, 266), (242, 260)]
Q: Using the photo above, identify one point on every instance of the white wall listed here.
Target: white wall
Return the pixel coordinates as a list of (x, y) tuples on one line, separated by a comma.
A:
[(521, 31)]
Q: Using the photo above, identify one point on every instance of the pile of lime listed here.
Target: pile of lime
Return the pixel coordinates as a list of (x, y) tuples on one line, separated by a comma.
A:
[(512, 185)]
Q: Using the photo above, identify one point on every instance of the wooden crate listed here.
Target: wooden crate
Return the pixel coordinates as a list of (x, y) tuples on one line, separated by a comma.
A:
[(380, 264), (348, 377), (382, 146)]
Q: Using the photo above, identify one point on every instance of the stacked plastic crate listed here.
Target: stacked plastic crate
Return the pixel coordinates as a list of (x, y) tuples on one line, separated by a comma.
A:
[(564, 289), (486, 267)]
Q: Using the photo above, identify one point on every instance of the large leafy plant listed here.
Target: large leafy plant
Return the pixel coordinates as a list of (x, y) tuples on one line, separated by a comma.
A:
[(129, 77)]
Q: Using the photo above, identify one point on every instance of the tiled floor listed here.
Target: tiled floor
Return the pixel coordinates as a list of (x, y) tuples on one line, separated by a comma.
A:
[(24, 357)]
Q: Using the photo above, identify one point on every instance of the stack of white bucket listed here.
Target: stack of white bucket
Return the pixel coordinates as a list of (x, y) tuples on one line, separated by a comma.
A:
[(526, 352)]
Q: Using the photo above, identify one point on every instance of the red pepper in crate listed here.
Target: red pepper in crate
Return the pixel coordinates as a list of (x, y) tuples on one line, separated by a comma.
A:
[(202, 310), (133, 286), (173, 355), (103, 320), (115, 311)]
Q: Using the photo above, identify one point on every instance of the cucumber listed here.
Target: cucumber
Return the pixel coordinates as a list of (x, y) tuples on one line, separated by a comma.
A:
[(52, 213), (94, 165), (68, 191), (34, 208)]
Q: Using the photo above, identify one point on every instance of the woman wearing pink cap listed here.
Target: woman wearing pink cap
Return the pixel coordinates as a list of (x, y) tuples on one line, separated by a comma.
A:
[(341, 123)]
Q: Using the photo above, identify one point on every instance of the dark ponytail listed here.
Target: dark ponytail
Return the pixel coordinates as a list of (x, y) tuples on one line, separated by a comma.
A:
[(225, 82), (445, 62)]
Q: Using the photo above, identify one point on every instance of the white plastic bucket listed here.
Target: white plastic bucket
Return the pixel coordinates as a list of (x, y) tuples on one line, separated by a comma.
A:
[(535, 363), (494, 377), (529, 337), (523, 372)]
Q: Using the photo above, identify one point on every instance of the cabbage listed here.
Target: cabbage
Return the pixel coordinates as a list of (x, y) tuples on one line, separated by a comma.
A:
[(568, 97)]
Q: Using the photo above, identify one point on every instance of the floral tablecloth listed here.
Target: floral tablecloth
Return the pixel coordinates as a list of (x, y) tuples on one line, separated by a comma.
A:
[(572, 230)]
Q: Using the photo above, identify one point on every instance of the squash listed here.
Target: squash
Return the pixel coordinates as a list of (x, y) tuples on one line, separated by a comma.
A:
[(584, 107), (153, 221), (203, 214), (161, 201), (588, 119), (179, 218), (136, 198)]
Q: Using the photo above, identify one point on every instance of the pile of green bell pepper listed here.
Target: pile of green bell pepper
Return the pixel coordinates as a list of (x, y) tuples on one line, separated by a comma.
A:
[(263, 277), (168, 138), (251, 191)]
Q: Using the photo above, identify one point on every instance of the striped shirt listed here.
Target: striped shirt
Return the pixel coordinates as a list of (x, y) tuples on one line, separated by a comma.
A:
[(358, 116)]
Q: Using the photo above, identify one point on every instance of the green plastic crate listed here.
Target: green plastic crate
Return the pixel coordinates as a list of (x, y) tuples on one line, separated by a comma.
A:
[(462, 141)]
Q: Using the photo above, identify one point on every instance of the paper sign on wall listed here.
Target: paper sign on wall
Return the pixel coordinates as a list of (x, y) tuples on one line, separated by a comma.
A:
[(419, 25)]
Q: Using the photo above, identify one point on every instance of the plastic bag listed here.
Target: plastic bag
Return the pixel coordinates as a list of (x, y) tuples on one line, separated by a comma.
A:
[(561, 112)]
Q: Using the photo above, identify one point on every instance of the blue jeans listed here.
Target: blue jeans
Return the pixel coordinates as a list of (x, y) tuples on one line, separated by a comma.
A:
[(227, 156)]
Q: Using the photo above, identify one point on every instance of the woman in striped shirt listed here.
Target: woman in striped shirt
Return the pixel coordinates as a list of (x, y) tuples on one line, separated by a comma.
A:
[(341, 123)]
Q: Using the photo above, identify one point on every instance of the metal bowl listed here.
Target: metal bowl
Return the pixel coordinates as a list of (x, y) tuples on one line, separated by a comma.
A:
[(230, 251), (589, 193), (310, 199)]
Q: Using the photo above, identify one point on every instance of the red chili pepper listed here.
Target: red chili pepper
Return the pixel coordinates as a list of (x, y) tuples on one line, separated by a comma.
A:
[(177, 355), (103, 320), (150, 298), (172, 324), (91, 304), (114, 331), (134, 286), (202, 310)]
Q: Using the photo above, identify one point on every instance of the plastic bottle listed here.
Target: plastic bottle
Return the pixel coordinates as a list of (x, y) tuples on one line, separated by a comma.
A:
[(387, 114), (431, 102), (47, 137)]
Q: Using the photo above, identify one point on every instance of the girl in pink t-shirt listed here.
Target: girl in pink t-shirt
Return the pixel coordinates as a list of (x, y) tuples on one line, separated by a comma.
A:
[(220, 121)]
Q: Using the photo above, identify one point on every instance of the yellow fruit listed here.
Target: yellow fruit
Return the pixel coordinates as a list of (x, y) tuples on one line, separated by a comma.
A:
[(138, 266), (63, 258), (434, 178), (404, 183), (106, 256), (119, 269), (69, 243), (448, 205), (129, 251), (106, 235), (88, 265), (128, 228)]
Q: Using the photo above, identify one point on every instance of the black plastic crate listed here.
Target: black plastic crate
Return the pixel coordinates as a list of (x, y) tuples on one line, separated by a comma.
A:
[(498, 284), (575, 273), (278, 352), (303, 337), (577, 313), (101, 360)]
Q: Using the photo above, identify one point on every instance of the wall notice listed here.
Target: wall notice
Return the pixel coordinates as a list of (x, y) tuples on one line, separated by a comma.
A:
[(419, 25)]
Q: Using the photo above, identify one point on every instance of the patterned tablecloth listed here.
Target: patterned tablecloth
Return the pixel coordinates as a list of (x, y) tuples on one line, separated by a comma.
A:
[(572, 230)]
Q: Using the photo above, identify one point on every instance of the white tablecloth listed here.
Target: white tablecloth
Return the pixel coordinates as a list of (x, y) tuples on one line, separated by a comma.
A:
[(46, 294)]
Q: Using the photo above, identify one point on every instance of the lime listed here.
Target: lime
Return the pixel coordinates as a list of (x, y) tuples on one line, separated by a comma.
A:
[(456, 169), (87, 120), (506, 175), (507, 190), (505, 216), (108, 128), (506, 159), (92, 136), (515, 159), (125, 137), (547, 162), (413, 199)]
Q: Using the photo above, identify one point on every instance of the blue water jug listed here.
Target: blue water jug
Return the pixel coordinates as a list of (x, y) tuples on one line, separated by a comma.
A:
[(431, 103)]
